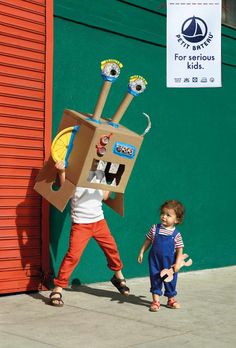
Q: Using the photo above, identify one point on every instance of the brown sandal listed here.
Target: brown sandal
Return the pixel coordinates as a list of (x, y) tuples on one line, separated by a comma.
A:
[(155, 306), (56, 301), (122, 288)]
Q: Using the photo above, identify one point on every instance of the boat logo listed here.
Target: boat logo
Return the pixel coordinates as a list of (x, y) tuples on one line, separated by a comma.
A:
[(194, 29)]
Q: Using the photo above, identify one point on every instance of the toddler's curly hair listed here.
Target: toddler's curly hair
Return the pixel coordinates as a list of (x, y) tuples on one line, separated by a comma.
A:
[(177, 207)]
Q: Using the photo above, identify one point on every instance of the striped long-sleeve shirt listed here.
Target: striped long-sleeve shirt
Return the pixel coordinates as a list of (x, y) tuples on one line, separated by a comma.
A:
[(166, 232)]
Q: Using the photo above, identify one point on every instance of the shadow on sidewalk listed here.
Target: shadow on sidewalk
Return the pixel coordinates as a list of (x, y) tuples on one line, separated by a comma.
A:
[(113, 295), (38, 296)]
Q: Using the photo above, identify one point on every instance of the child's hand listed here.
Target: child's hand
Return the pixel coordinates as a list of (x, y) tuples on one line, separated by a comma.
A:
[(106, 195), (60, 165), (140, 258), (177, 267)]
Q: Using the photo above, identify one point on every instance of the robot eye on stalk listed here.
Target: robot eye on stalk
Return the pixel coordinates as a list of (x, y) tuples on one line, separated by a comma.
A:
[(137, 85), (110, 72), (110, 69)]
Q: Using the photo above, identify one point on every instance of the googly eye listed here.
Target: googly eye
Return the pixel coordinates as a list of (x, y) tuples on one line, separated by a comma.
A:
[(137, 84), (111, 69)]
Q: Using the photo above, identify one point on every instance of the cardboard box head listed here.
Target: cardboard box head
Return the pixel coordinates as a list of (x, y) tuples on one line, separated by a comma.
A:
[(98, 153)]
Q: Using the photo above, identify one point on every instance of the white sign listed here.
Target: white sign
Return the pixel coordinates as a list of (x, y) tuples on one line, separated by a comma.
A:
[(193, 43)]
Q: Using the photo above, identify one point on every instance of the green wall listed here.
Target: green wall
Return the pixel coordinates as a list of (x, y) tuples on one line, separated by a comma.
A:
[(189, 153)]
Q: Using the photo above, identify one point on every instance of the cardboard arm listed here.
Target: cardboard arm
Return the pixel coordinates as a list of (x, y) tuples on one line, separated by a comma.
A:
[(116, 203)]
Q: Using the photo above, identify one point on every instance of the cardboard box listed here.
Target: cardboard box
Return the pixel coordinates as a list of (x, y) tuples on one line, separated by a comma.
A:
[(102, 156)]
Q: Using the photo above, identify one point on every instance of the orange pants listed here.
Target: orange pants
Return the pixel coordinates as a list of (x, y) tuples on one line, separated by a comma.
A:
[(79, 238)]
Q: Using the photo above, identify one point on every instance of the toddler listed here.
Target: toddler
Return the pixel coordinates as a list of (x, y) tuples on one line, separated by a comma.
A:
[(166, 250)]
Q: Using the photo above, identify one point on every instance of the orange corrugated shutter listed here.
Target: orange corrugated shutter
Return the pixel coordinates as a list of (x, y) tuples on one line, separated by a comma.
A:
[(25, 101)]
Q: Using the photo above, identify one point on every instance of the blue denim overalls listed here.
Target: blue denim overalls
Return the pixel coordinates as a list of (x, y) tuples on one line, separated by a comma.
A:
[(162, 255)]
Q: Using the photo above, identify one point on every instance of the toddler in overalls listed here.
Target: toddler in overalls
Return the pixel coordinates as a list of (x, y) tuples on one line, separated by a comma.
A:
[(166, 250)]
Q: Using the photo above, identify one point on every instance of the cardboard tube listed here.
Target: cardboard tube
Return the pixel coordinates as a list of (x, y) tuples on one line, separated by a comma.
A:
[(102, 100), (122, 108)]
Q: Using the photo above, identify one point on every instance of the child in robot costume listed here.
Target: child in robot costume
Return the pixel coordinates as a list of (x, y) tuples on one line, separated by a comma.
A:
[(87, 222)]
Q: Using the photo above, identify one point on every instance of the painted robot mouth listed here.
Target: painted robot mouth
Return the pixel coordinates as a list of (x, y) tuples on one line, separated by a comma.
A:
[(106, 173)]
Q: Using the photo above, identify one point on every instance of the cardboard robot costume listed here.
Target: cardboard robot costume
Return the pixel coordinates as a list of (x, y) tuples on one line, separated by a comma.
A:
[(90, 145)]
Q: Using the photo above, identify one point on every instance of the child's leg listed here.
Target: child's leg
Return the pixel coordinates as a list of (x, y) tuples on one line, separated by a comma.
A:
[(156, 282), (154, 271), (104, 238), (79, 237), (107, 243), (155, 297), (155, 306), (170, 292), (170, 287)]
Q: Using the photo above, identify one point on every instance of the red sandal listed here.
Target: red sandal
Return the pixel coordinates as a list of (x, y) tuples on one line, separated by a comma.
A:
[(155, 306), (172, 303)]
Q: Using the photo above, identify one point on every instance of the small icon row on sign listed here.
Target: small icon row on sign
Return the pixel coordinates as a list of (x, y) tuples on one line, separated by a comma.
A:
[(193, 79)]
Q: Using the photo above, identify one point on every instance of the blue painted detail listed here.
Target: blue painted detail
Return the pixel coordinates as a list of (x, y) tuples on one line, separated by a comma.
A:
[(109, 78), (135, 94), (124, 150), (116, 125), (92, 120), (71, 143)]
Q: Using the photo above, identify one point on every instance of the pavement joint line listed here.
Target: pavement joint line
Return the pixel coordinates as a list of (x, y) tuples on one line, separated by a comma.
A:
[(43, 317), (29, 339), (159, 339), (128, 319)]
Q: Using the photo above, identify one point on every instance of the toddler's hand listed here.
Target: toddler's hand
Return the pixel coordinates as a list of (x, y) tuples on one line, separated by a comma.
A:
[(140, 258), (60, 165), (177, 267)]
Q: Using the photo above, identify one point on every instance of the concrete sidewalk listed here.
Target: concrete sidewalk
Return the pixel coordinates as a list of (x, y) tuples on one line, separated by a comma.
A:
[(96, 316)]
